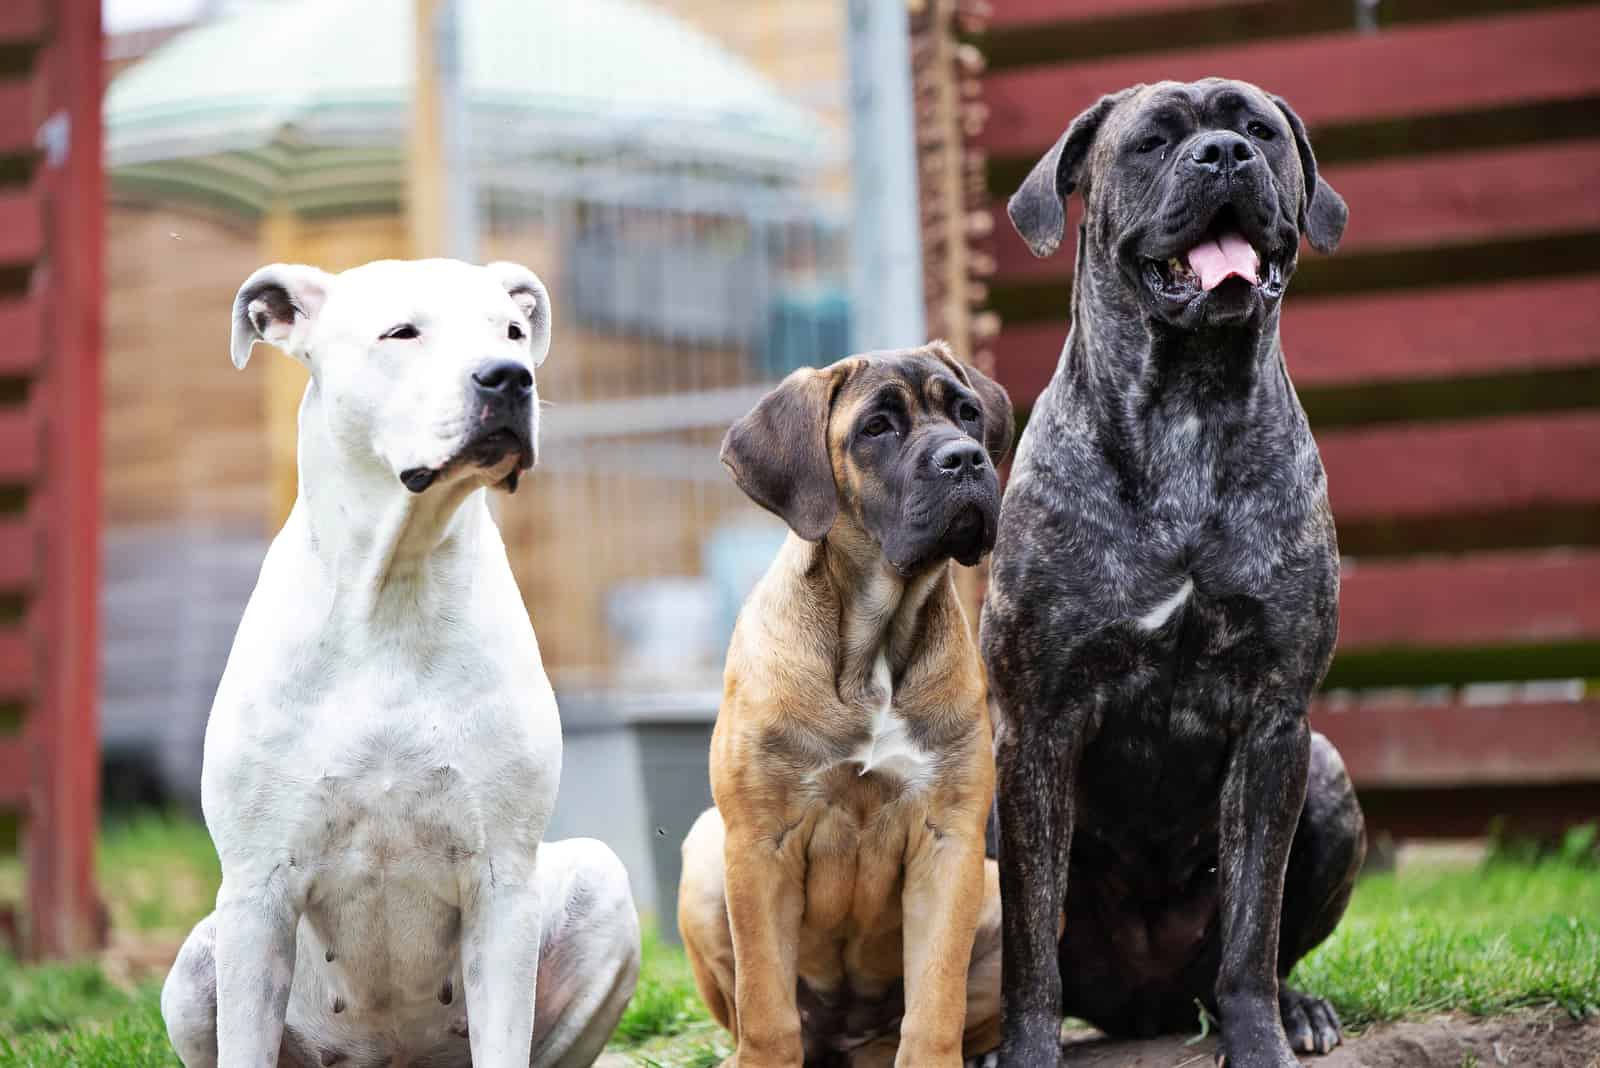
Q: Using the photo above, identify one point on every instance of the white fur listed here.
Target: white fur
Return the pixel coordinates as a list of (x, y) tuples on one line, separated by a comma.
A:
[(384, 749), (889, 749), (1157, 617)]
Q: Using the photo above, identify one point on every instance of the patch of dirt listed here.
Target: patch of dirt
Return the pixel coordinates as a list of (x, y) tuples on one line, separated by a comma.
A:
[(1544, 1038)]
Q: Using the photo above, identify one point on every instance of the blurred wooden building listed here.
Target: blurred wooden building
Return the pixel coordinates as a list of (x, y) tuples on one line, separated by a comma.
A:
[(686, 215)]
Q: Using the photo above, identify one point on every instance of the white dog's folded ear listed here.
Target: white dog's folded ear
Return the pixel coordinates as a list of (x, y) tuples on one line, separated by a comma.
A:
[(277, 305), (531, 296)]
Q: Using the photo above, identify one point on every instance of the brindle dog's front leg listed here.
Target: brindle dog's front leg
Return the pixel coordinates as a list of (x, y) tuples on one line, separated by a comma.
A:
[(765, 905), (1263, 792), (942, 898), (1037, 756)]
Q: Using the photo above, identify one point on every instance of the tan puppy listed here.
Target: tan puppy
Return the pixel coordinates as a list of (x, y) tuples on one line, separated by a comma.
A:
[(830, 900)]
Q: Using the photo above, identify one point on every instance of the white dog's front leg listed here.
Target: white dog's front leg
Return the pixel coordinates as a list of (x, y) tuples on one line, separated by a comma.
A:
[(255, 968), (501, 930)]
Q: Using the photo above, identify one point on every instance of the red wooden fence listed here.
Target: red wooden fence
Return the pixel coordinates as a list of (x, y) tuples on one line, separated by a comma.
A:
[(1449, 355), (50, 297)]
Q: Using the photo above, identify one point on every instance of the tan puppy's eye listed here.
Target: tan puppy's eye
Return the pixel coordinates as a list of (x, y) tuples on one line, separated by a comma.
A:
[(877, 425), (514, 332), (403, 332)]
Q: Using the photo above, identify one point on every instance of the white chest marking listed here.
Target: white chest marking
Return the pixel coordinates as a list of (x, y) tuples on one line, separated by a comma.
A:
[(889, 749), (1158, 616)]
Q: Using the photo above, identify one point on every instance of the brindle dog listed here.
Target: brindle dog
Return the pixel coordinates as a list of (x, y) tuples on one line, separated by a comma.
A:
[(836, 904), (1164, 596)]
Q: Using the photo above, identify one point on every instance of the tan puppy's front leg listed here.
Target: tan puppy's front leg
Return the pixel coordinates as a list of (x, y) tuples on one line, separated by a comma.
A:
[(765, 904), (943, 896)]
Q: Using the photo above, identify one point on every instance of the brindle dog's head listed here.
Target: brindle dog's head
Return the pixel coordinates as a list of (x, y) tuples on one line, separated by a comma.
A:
[(1197, 195), (892, 449)]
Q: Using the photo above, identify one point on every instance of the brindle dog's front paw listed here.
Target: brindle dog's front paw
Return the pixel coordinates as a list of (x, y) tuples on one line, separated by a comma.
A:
[(1252, 1038), (1309, 1022)]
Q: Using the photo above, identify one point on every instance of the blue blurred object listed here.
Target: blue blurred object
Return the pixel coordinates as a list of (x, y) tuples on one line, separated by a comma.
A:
[(805, 328)]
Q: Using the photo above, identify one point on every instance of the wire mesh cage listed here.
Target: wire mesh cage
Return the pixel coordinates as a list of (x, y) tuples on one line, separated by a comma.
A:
[(681, 297)]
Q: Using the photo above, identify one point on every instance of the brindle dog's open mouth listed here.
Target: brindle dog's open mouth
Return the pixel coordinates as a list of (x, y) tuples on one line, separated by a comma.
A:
[(1222, 256)]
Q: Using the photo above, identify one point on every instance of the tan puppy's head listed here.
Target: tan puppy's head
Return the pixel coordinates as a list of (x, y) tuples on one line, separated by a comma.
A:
[(888, 450)]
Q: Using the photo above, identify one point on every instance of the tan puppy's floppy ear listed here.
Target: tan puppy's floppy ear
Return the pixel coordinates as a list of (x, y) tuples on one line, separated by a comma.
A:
[(999, 422), (778, 453), (277, 304), (1038, 208), (1323, 213)]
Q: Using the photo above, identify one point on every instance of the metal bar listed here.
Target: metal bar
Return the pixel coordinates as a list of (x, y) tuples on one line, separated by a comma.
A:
[(886, 243)]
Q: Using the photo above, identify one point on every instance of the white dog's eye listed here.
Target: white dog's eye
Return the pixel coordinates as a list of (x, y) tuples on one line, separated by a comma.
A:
[(403, 332), (514, 332)]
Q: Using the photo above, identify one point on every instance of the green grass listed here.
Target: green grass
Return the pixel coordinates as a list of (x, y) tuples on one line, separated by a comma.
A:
[(1516, 930)]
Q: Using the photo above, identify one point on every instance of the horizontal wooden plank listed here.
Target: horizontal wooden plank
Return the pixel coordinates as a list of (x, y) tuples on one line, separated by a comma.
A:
[(1407, 744), (21, 323), (16, 664), (1521, 462), (1436, 200), (22, 21), (21, 227), (21, 112), (16, 773), (1456, 811), (1008, 13), (1514, 328), (17, 564), (1490, 599), (19, 445), (1416, 70)]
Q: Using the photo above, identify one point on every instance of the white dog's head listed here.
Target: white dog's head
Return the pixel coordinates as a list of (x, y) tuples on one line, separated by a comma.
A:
[(423, 367)]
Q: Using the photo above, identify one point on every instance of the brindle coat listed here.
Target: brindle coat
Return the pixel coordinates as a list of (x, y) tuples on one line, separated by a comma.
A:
[(840, 880), (1163, 599)]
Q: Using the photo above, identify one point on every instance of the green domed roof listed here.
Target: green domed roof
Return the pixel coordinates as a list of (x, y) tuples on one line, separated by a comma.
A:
[(308, 100)]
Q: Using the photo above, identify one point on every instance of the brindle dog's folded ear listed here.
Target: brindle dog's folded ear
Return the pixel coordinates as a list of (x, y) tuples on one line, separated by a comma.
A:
[(1039, 208), (1323, 213), (778, 453)]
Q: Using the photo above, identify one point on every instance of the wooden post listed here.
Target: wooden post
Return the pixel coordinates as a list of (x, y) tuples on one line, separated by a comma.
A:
[(62, 728), (425, 168)]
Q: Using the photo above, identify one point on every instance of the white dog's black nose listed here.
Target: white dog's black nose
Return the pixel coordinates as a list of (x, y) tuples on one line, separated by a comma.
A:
[(1221, 151), (504, 378), (961, 458)]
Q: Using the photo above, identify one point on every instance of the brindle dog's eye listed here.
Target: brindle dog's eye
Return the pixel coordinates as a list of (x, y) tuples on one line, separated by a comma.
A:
[(403, 332), (514, 332), (877, 425), (1150, 144), (968, 413), (1261, 131)]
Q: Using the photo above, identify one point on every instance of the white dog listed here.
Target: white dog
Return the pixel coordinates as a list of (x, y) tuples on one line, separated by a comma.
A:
[(383, 753)]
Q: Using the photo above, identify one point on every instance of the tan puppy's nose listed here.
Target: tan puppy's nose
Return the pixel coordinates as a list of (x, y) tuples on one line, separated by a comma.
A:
[(962, 458)]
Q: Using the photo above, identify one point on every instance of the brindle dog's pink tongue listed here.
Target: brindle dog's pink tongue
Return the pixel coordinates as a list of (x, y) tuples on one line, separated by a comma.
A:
[(1217, 259)]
